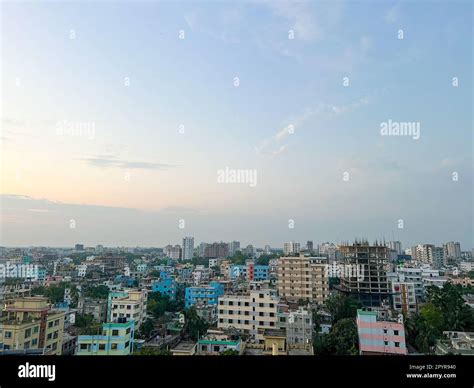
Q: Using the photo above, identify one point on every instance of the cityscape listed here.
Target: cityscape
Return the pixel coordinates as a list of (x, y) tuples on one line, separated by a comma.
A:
[(265, 188), (222, 298)]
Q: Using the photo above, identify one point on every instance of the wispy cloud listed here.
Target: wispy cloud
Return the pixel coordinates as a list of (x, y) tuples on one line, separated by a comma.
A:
[(273, 146), (105, 162)]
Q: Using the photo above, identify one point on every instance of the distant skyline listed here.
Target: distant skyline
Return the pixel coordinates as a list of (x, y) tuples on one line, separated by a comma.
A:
[(117, 119)]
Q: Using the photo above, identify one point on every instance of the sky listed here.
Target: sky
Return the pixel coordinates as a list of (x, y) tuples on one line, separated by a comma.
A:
[(122, 123)]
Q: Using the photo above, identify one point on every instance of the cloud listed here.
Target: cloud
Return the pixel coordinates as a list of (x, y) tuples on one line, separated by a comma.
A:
[(272, 146), (105, 162)]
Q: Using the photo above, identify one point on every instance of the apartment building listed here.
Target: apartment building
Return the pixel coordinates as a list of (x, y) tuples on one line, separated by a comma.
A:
[(251, 313), (129, 304), (206, 295), (30, 323), (298, 325), (379, 335), (404, 297), (188, 248), (116, 339), (303, 278)]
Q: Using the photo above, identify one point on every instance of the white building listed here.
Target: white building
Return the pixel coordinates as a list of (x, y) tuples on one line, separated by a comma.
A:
[(188, 248), (290, 248), (250, 313), (234, 247)]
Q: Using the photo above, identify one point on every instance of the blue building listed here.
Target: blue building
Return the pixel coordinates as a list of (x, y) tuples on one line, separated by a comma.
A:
[(203, 295), (250, 272), (166, 285)]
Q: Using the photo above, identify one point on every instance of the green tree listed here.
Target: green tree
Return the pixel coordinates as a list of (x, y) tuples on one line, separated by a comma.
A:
[(342, 306), (230, 352), (195, 326)]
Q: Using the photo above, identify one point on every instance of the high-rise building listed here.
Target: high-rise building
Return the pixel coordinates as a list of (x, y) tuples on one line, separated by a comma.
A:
[(188, 248), (428, 254), (303, 278), (395, 246), (30, 323), (365, 273), (268, 250), (310, 246), (234, 247), (291, 248), (79, 247), (216, 250), (452, 251)]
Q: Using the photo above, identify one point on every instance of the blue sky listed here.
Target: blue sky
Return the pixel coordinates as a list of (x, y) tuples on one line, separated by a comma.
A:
[(139, 170)]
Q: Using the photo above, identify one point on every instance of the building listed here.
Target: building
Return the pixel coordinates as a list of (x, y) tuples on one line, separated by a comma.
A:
[(207, 312), (365, 273), (116, 339), (234, 247), (69, 344), (380, 336), (129, 304), (310, 247), (249, 313), (429, 254), (184, 349), (412, 275), (112, 264), (216, 250), (274, 342), (166, 285), (95, 307), (203, 295), (298, 325), (455, 342), (395, 246), (452, 251), (216, 342), (250, 272), (188, 248), (30, 323), (79, 247), (173, 252), (291, 248), (303, 278), (404, 297)]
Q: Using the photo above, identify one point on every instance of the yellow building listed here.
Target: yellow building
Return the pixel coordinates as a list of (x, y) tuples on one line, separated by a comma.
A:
[(29, 323), (303, 278)]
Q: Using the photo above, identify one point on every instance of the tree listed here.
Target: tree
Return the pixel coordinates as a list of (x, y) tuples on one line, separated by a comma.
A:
[(342, 339), (342, 306), (87, 325), (97, 292), (195, 326), (146, 328), (230, 352)]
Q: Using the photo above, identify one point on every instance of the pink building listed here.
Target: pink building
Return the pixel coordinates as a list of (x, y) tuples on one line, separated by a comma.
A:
[(377, 336)]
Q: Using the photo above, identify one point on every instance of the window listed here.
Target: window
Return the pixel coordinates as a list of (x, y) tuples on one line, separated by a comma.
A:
[(26, 345), (34, 341), (114, 346), (83, 346), (385, 343), (397, 344), (115, 332), (127, 344), (36, 329), (395, 332), (27, 333), (50, 335), (101, 346), (50, 324), (128, 330)]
